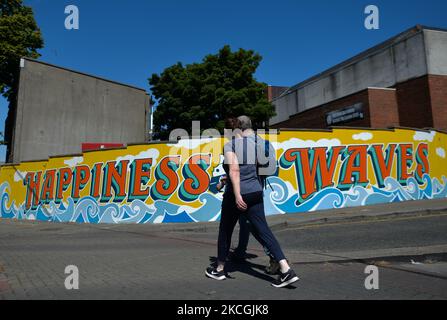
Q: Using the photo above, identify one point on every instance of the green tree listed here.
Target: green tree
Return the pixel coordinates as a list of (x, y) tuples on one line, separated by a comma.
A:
[(221, 86), (19, 37)]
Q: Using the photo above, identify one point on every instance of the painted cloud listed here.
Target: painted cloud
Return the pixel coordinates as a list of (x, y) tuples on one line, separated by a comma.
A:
[(424, 136), (191, 143), (73, 161), (19, 175), (364, 136), (440, 152), (298, 143), (149, 153)]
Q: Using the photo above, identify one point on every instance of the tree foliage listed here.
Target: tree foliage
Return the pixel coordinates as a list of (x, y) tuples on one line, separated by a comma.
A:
[(19, 37), (221, 86)]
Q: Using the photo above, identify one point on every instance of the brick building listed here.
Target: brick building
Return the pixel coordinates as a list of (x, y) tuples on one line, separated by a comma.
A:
[(400, 82)]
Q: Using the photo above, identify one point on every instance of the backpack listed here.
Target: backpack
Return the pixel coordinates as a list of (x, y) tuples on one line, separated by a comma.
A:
[(265, 164)]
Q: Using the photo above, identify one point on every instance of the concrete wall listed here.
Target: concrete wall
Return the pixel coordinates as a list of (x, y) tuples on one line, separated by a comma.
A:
[(275, 91), (171, 183), (436, 48), (397, 60), (59, 109), (288, 105)]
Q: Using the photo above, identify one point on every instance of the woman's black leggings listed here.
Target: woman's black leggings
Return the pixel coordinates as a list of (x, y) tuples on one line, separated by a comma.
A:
[(255, 214)]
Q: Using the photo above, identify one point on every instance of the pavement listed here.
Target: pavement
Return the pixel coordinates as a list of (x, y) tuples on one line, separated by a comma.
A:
[(328, 249)]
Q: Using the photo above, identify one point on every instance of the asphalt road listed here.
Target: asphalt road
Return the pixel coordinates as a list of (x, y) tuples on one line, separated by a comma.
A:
[(134, 263), (375, 234)]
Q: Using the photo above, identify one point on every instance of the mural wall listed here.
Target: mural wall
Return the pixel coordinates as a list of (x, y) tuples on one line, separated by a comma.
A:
[(171, 183)]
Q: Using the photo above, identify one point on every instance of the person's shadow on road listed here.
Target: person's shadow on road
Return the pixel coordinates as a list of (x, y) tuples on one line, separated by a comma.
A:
[(247, 267)]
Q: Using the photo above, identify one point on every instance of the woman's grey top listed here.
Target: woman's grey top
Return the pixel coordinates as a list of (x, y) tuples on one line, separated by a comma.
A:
[(245, 150)]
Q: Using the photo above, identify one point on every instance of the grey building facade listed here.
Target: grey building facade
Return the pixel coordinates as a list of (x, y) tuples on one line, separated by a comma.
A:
[(58, 109), (413, 64)]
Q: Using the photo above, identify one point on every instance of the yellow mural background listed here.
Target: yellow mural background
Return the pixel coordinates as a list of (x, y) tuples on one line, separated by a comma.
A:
[(13, 174)]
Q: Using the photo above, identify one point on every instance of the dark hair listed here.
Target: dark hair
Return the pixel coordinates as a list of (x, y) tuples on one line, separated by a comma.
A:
[(231, 123)]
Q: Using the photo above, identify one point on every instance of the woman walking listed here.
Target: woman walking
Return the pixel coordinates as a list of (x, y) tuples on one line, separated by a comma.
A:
[(244, 195), (239, 254)]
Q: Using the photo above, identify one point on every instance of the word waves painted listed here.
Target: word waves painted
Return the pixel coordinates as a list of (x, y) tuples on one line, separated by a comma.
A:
[(171, 183)]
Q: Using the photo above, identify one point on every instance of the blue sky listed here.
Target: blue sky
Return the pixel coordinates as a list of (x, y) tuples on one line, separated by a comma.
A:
[(127, 41)]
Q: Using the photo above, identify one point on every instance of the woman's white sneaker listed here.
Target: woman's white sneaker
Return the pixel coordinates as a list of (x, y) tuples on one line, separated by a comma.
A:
[(212, 273), (284, 279)]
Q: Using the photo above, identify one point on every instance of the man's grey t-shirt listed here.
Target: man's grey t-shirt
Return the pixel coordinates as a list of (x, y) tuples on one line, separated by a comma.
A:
[(245, 150)]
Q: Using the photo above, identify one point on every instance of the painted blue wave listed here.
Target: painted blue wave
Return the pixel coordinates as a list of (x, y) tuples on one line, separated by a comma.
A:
[(328, 198), (275, 193), (279, 198), (166, 212), (357, 198), (209, 210), (11, 212), (331, 198), (182, 217), (440, 190)]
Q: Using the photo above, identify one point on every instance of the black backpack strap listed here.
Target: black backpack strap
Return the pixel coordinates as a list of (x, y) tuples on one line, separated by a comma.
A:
[(256, 152), (261, 178)]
